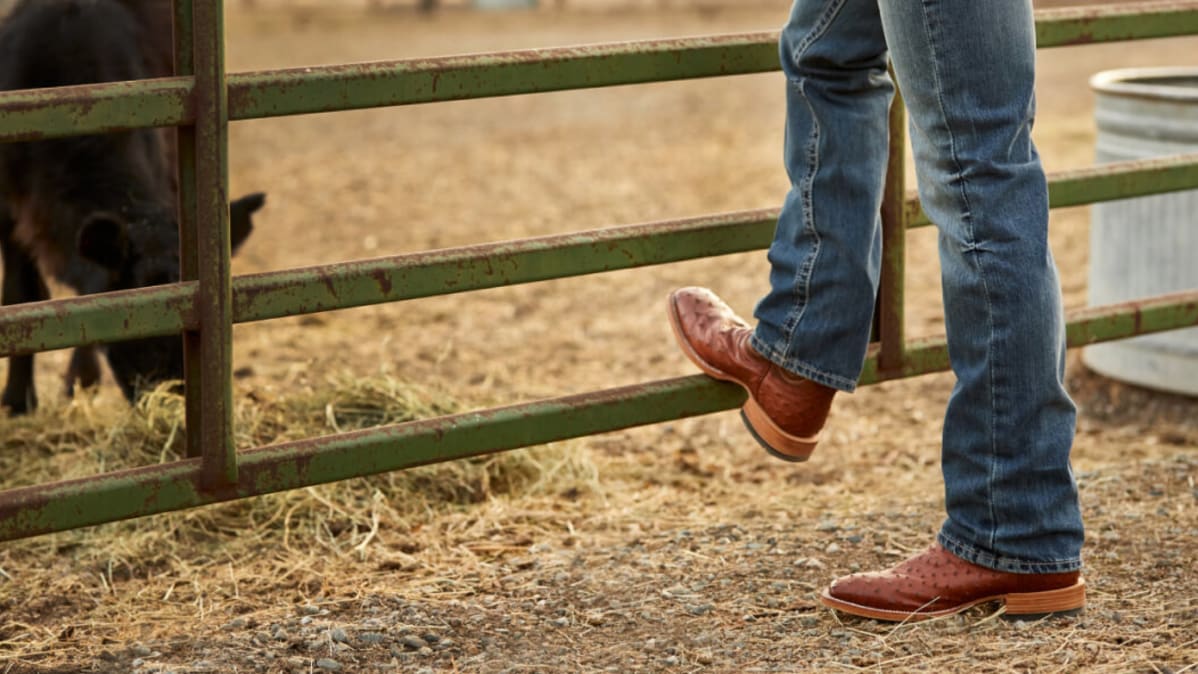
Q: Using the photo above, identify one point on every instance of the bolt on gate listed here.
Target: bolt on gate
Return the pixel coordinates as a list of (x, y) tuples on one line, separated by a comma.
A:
[(201, 100)]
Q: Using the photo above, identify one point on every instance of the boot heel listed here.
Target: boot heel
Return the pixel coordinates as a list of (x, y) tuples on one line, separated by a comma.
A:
[(1034, 605), (776, 441)]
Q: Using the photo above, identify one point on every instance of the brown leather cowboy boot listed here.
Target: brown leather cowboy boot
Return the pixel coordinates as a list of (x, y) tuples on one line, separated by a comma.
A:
[(938, 583), (784, 412)]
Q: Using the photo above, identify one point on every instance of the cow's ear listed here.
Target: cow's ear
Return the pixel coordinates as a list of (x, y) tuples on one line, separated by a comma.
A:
[(240, 221), (102, 240)]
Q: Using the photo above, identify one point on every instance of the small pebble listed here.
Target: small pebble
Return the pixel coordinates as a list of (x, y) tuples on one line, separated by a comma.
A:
[(413, 642), (280, 634), (328, 664), (306, 620), (337, 634), (426, 652), (832, 549), (140, 651), (672, 661), (310, 610), (560, 622), (372, 638), (138, 662)]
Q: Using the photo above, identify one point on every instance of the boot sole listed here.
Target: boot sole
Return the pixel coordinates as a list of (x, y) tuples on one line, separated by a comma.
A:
[(1065, 601), (777, 442)]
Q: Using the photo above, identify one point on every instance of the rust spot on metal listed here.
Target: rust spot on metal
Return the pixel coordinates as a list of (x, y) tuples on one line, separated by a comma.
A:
[(383, 279), (327, 279)]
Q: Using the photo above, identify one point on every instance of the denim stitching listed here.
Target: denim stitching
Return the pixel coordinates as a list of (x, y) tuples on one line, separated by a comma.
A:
[(801, 368), (971, 251), (802, 280), (1008, 564)]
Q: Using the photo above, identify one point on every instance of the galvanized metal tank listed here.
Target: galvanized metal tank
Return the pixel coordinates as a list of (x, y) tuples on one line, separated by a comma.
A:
[(1147, 245)]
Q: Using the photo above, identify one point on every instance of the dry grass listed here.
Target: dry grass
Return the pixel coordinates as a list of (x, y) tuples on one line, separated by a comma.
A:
[(87, 437), (678, 547)]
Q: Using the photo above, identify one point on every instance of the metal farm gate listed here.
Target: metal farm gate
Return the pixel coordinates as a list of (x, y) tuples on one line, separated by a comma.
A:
[(202, 100)]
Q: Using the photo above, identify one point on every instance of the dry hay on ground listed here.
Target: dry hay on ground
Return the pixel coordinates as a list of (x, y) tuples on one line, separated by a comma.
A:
[(677, 547)]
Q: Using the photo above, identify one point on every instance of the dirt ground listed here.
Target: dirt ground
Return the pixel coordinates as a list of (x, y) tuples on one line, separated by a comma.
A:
[(676, 547)]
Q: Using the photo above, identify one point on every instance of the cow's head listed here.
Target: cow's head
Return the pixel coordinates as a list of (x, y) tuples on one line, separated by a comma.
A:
[(140, 250)]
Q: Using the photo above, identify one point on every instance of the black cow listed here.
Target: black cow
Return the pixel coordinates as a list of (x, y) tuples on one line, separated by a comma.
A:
[(96, 212)]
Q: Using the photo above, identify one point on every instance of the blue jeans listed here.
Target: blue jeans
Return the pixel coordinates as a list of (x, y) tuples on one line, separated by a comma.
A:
[(966, 68)]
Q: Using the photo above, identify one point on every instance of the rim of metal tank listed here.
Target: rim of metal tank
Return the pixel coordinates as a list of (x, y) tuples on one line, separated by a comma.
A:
[(1150, 83)]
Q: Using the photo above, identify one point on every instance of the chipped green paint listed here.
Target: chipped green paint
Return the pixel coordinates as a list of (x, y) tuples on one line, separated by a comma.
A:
[(166, 102), (1108, 182), (214, 292), (136, 492), (1069, 26), (256, 297), (206, 304)]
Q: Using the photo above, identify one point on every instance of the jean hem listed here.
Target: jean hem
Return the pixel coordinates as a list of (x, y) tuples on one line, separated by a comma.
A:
[(800, 367), (975, 555)]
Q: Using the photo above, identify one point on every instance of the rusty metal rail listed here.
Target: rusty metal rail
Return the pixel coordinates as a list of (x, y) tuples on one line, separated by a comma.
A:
[(202, 99), (95, 108), (166, 310)]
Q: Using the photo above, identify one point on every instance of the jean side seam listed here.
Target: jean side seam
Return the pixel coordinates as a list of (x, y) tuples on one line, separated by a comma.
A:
[(817, 31), (973, 252), (802, 280)]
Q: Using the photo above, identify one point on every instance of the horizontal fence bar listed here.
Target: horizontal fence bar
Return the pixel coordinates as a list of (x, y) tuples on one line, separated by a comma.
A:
[(37, 114), (1068, 26), (30, 511), (273, 295), (1107, 182), (1086, 326), (367, 85), (104, 317), (81, 110), (55, 324), (60, 323), (151, 312), (173, 486)]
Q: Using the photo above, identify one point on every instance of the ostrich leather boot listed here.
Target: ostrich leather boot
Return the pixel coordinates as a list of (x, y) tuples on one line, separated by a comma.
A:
[(784, 412), (937, 583)]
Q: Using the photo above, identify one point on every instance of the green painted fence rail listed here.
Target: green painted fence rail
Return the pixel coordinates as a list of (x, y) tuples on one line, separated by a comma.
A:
[(204, 306), (85, 109), (152, 312)]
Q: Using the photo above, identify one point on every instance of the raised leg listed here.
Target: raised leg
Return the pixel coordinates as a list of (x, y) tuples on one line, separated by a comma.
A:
[(826, 254)]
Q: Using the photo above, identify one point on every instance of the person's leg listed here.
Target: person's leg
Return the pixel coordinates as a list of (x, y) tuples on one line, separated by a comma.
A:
[(824, 261), (1014, 529), (967, 73), (814, 323)]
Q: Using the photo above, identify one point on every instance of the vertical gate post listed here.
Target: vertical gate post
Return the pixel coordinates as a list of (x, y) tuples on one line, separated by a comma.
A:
[(215, 297), (894, 245), (188, 260)]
